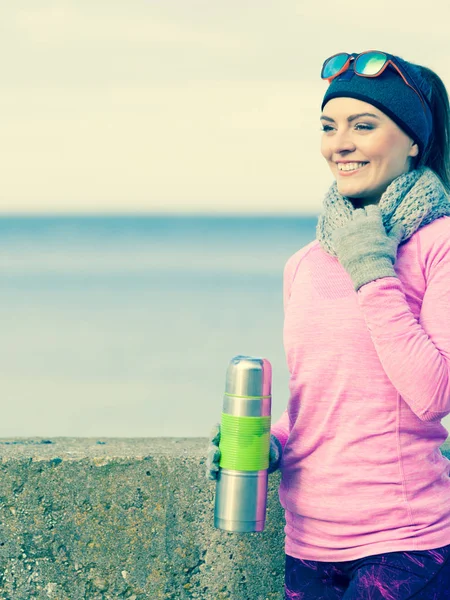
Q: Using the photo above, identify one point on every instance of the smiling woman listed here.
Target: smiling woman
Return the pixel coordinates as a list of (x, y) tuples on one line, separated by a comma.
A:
[(364, 485), (365, 151)]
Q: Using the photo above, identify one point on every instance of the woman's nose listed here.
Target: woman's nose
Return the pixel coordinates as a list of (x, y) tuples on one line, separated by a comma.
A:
[(342, 141)]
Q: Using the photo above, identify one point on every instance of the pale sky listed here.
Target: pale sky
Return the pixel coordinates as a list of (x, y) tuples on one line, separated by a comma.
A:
[(179, 106)]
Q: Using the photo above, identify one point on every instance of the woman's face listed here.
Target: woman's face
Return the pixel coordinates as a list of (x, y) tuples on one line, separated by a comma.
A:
[(375, 140)]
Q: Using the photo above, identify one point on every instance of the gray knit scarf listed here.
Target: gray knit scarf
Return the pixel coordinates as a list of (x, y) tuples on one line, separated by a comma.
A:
[(414, 199)]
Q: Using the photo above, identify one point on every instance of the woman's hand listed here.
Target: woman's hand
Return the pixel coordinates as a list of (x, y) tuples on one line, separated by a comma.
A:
[(364, 248), (213, 456)]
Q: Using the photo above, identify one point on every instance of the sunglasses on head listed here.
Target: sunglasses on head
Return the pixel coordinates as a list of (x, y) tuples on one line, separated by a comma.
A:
[(367, 64)]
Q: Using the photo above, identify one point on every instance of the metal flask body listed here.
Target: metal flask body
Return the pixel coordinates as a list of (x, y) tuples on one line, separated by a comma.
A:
[(241, 487)]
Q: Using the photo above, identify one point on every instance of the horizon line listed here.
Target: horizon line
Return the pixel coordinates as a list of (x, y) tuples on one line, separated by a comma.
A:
[(159, 214)]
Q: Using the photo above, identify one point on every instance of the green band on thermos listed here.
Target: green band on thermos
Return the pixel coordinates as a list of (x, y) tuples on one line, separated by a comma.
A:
[(244, 443)]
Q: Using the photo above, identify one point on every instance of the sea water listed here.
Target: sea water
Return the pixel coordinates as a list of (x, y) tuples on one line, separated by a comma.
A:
[(123, 326)]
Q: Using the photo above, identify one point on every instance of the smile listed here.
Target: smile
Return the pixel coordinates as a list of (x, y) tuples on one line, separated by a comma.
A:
[(350, 168)]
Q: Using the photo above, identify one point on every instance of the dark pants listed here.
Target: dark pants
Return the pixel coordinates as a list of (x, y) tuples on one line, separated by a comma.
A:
[(419, 575)]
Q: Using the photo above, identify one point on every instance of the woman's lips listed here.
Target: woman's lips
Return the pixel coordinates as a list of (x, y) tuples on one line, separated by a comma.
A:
[(347, 173)]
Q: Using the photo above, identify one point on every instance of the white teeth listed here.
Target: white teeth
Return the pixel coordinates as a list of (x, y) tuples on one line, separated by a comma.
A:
[(350, 166)]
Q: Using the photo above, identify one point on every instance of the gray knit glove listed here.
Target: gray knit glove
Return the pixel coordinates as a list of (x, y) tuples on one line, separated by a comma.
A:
[(364, 248), (213, 457)]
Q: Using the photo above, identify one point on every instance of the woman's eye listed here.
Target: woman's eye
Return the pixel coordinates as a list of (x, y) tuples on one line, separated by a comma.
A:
[(358, 125)]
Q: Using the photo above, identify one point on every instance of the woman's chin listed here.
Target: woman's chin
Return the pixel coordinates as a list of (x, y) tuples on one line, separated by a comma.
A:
[(349, 191)]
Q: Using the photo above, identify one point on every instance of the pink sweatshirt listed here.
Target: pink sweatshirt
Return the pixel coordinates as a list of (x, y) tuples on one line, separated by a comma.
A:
[(362, 472)]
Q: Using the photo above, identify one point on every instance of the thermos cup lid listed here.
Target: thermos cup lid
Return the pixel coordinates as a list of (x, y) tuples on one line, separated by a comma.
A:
[(248, 376)]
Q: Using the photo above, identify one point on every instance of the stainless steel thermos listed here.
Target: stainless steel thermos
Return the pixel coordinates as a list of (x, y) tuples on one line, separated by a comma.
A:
[(241, 487)]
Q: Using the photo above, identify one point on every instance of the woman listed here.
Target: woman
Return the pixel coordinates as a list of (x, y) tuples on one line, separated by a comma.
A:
[(365, 488)]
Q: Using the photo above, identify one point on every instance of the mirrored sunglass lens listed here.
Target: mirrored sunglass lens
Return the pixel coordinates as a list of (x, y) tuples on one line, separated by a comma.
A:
[(370, 63), (334, 65)]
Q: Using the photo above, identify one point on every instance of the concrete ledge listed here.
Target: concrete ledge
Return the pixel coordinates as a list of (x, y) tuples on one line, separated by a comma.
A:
[(113, 518)]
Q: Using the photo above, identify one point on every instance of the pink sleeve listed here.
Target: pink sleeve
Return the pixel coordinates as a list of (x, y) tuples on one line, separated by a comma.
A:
[(415, 354), (281, 428), (290, 269)]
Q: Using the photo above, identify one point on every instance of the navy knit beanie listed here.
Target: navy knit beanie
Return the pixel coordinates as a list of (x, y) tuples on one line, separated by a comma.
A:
[(389, 93)]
